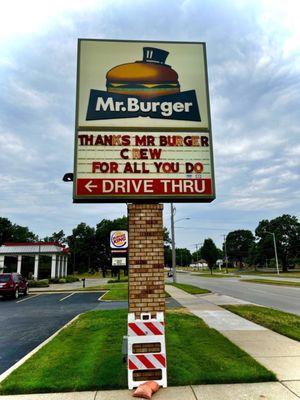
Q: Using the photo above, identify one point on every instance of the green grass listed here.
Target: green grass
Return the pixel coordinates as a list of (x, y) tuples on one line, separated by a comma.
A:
[(87, 356), (190, 288), (284, 323), (272, 282), (217, 275), (116, 291), (122, 279), (295, 274)]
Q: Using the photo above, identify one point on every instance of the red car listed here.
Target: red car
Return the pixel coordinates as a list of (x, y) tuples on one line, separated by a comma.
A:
[(12, 284)]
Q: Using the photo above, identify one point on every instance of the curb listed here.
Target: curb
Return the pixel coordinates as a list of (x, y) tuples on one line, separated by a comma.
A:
[(5, 374)]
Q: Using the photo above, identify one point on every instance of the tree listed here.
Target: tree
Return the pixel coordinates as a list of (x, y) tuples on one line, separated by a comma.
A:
[(197, 255), (58, 237), (82, 244), (210, 253), (167, 248), (22, 234), (5, 230), (183, 257), (287, 234), (239, 244), (167, 239)]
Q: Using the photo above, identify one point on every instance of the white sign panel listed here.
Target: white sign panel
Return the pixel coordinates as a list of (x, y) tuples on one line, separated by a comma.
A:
[(132, 164), (142, 84), (119, 262)]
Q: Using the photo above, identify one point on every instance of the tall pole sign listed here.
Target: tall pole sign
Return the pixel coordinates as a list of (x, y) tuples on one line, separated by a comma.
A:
[(143, 130), (143, 136)]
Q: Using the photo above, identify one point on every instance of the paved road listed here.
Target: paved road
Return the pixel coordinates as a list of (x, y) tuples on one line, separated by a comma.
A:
[(280, 297)]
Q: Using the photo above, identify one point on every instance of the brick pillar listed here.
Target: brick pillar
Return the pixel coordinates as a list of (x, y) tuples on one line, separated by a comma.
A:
[(146, 259)]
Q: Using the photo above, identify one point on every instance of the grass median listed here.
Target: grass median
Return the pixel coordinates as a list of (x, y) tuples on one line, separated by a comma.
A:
[(284, 323), (117, 291), (190, 288), (216, 275), (272, 282), (87, 356)]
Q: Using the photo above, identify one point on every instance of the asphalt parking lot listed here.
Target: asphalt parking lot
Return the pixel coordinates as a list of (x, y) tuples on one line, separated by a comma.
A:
[(28, 321)]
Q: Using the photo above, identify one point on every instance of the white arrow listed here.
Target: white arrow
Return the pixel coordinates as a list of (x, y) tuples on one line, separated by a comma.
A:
[(89, 186)]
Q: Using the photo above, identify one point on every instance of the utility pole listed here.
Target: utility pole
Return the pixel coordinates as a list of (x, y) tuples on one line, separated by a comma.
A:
[(275, 250), (226, 258), (173, 243)]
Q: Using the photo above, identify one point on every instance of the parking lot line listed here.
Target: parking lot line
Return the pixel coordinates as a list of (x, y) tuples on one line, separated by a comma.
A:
[(28, 298), (69, 295), (100, 298)]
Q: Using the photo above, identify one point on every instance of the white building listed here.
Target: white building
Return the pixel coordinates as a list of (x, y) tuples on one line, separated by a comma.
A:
[(57, 252), (201, 264)]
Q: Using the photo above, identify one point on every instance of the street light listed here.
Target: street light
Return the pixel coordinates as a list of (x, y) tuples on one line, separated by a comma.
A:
[(225, 250), (275, 250), (173, 240)]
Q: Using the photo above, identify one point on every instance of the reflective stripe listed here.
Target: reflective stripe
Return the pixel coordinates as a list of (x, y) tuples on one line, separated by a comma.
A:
[(146, 328), (146, 361)]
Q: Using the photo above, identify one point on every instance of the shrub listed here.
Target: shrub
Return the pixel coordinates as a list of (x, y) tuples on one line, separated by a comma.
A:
[(54, 280), (123, 279), (38, 283), (62, 280), (71, 278)]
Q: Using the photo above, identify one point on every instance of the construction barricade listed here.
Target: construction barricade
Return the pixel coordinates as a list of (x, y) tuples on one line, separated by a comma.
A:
[(146, 349)]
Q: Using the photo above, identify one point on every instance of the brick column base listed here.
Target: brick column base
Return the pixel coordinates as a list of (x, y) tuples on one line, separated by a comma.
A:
[(146, 259)]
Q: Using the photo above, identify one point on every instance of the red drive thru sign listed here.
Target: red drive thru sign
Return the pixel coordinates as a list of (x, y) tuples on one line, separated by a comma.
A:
[(142, 123)]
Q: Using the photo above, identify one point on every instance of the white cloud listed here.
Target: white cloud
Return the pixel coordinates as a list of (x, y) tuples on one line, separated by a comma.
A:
[(254, 73)]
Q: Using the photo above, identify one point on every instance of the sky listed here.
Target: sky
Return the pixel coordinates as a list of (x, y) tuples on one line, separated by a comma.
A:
[(253, 54)]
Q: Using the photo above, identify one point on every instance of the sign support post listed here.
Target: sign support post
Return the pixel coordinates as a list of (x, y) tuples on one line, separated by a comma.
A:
[(146, 275)]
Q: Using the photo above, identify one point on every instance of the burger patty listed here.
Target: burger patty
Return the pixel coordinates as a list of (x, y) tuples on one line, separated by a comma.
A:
[(142, 86)]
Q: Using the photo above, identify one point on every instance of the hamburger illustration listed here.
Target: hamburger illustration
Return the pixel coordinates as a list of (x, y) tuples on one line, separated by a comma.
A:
[(144, 79)]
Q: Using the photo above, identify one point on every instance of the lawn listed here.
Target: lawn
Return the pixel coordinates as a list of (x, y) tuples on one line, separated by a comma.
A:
[(294, 274), (190, 288), (278, 321), (272, 282), (216, 275), (116, 291), (87, 356)]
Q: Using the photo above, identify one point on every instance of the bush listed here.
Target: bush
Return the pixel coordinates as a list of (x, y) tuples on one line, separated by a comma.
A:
[(38, 283), (62, 280), (54, 280), (123, 279), (71, 278)]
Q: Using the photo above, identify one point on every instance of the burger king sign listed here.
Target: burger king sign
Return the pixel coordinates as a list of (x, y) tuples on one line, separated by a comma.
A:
[(118, 239)]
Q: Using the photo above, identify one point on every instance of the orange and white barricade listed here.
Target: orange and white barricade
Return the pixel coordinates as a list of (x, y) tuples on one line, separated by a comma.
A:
[(146, 331)]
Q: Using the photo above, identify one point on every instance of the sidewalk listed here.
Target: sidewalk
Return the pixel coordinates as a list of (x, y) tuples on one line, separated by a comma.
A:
[(246, 391), (274, 351)]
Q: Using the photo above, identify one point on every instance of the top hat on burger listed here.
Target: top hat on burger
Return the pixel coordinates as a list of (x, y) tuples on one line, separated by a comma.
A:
[(145, 79)]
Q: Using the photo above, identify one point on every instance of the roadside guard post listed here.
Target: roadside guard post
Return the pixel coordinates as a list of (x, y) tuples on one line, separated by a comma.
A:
[(143, 136)]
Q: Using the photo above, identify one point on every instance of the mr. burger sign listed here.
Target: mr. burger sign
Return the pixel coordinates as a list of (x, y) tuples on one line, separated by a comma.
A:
[(143, 128)]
